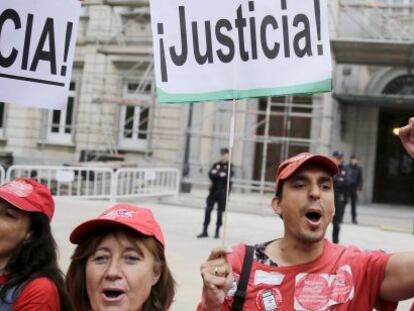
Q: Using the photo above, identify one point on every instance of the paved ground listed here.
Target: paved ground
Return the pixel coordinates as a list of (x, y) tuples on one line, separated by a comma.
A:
[(185, 252)]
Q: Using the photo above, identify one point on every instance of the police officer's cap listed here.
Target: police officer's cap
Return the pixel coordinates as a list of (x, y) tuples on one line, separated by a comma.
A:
[(338, 154)]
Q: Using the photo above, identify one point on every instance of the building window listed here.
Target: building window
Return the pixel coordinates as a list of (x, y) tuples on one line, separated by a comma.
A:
[(134, 120), (61, 122), (402, 85), (289, 131)]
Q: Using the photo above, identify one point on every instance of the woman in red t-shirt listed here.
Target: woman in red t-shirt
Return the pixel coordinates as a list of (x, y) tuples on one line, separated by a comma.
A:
[(30, 279), (119, 263)]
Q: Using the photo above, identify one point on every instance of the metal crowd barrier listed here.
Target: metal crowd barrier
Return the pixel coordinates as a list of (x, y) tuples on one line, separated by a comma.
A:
[(2, 175), (68, 181), (100, 182), (145, 182)]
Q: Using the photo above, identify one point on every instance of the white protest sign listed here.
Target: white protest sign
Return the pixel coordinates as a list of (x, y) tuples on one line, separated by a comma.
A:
[(37, 45), (214, 50)]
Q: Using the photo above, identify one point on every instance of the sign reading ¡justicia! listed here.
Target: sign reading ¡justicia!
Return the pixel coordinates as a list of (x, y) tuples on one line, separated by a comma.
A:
[(213, 50)]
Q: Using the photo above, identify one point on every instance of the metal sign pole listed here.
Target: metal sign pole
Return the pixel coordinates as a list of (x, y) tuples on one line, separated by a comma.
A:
[(231, 143)]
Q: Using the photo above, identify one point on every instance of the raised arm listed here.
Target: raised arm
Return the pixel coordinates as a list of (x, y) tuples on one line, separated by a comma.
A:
[(398, 283)]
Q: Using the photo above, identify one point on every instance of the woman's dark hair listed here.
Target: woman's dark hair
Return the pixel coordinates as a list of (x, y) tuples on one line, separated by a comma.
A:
[(279, 193), (36, 257), (162, 293)]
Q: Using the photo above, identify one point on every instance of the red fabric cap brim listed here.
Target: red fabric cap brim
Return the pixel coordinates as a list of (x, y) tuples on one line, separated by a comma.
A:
[(317, 159), (89, 227), (293, 167), (21, 203)]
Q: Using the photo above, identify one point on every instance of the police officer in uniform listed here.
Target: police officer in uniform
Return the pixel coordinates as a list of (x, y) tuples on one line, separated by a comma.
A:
[(340, 193), (217, 194), (354, 184)]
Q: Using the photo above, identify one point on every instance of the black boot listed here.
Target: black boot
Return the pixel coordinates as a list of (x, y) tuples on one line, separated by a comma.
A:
[(216, 236), (203, 234)]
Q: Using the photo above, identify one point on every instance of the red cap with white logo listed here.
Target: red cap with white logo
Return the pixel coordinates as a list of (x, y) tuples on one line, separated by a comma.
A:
[(133, 217), (288, 167), (28, 195)]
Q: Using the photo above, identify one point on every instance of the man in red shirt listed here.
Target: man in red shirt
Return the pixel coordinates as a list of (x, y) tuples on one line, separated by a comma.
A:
[(302, 270)]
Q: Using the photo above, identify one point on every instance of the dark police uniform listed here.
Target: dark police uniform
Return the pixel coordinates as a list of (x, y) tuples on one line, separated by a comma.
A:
[(218, 176), (354, 184), (341, 191)]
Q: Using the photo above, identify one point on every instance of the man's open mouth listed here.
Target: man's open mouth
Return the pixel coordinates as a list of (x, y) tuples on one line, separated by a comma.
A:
[(313, 216)]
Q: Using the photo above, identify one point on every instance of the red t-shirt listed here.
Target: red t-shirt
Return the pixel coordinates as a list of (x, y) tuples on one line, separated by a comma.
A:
[(39, 294), (342, 278)]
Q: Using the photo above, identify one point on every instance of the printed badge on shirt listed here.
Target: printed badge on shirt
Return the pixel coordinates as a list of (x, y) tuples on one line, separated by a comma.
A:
[(319, 291), (269, 299), (342, 287), (268, 278)]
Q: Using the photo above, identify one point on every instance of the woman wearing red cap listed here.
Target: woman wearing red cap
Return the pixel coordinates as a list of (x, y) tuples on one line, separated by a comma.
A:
[(30, 279), (119, 263)]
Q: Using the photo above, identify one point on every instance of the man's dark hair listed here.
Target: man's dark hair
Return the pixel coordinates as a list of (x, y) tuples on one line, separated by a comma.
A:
[(36, 257), (224, 151), (338, 154), (279, 190)]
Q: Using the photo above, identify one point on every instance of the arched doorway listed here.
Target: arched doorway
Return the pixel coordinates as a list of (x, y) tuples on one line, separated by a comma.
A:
[(394, 169)]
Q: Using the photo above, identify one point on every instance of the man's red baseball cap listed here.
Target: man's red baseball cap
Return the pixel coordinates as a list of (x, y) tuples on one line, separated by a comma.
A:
[(288, 167), (130, 216), (28, 195)]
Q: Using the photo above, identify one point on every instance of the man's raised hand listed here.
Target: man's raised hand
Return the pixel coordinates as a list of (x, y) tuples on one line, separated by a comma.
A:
[(407, 136), (217, 278)]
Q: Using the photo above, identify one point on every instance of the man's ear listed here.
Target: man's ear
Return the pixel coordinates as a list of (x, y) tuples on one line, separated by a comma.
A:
[(276, 206)]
